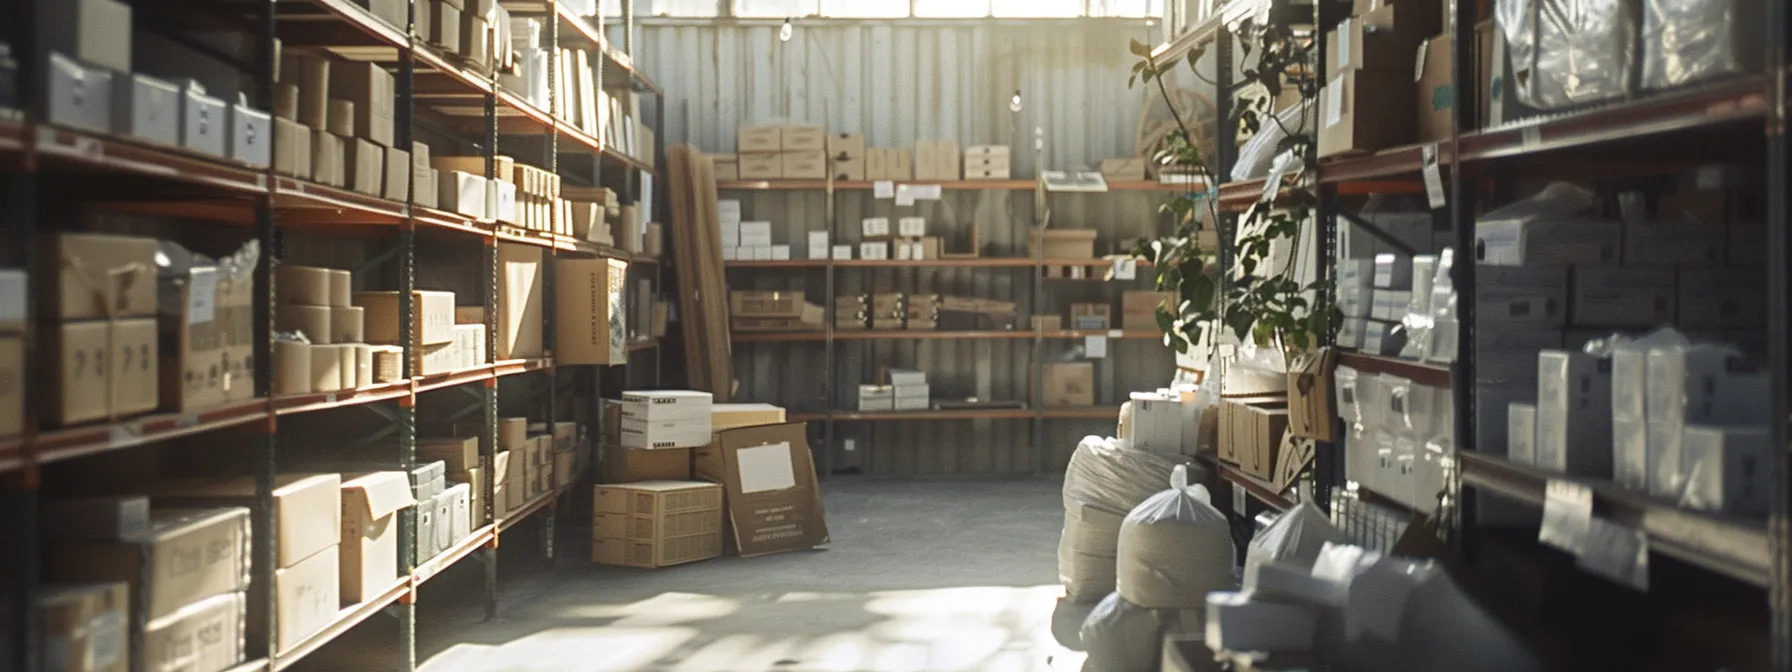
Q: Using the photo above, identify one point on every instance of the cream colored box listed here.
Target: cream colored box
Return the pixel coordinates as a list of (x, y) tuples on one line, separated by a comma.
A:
[(804, 138)]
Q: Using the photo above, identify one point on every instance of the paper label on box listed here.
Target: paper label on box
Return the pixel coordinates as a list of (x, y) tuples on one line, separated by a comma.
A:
[(766, 468), (883, 189), (1126, 269), (1334, 101), (202, 293), (1434, 180)]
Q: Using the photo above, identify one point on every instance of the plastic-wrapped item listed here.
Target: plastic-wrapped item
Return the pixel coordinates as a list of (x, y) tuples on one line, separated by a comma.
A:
[(1692, 383), (1546, 229), (1345, 378), (1121, 637), (1727, 469), (1568, 52), (1294, 540), (1686, 41), (1174, 548), (1104, 481)]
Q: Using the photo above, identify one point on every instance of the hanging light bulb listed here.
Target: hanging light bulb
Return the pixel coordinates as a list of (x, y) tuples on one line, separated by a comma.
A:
[(785, 31), (1014, 103)]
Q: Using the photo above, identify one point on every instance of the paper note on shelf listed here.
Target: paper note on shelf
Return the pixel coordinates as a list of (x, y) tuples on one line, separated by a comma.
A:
[(1095, 347), (1126, 269), (905, 196), (925, 192), (883, 189), (1567, 510)]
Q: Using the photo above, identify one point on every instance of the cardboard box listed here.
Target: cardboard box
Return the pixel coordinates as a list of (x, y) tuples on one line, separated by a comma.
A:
[(462, 193), (78, 376), (850, 168), (1234, 431), (306, 597), (311, 73), (146, 108), (365, 162), (803, 138), (1064, 243), (189, 555), (209, 634), (759, 140), (293, 153), (1264, 426), (727, 167), (444, 26), (937, 160), (733, 416), (889, 164), (806, 165), (771, 495), (1089, 316), (761, 166), (307, 508), (329, 159), (1436, 95), (135, 369), (79, 96), (656, 523), (1363, 111), (348, 324), (371, 88), (1727, 469), (95, 31), (591, 322), (207, 346), (1123, 170), (1553, 241), (369, 544), (469, 346), (1623, 297), (846, 144), (434, 317), (85, 627), (1310, 386), (521, 311), (765, 304), (98, 276), (1139, 309), (397, 182), (1068, 384), (1574, 413)]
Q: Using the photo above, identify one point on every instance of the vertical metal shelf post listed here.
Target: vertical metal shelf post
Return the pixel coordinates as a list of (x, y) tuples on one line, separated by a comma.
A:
[(403, 116), (549, 274), (1779, 325), (1328, 470), (829, 427), (19, 492), (489, 394), (268, 447), (1462, 373)]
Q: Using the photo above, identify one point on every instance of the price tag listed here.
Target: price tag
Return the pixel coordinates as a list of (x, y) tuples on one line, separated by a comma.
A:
[(883, 189), (1126, 269), (1434, 177), (1116, 333), (202, 290), (1567, 515), (1095, 347)]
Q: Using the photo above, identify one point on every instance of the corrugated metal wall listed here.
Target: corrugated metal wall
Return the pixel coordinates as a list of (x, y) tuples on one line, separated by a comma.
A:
[(899, 84)]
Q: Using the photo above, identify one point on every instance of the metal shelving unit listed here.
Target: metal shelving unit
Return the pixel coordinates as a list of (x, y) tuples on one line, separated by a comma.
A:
[(479, 111), (1647, 134), (832, 337)]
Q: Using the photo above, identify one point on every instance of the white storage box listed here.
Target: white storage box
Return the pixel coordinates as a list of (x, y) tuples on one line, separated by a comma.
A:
[(80, 96), (1623, 297), (658, 406), (251, 136), (1521, 433), (1574, 413), (146, 108), (205, 126)]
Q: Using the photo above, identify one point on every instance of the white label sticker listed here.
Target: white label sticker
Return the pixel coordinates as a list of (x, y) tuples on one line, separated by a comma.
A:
[(925, 192), (766, 468), (1344, 45), (1126, 269), (883, 189), (905, 196), (202, 295), (1334, 102), (1095, 347), (1567, 508), (1434, 179)]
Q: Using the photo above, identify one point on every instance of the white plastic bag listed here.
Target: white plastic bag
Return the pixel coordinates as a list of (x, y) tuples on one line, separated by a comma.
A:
[(1295, 540), (1122, 637), (1175, 548), (1104, 481)]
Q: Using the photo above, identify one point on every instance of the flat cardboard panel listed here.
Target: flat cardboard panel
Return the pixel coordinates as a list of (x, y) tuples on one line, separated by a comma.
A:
[(766, 521), (521, 311), (591, 320)]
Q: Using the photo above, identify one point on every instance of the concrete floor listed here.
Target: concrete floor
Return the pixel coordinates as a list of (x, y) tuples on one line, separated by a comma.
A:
[(957, 575)]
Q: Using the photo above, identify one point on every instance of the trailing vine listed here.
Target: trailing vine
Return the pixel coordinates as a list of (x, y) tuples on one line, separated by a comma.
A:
[(1263, 302)]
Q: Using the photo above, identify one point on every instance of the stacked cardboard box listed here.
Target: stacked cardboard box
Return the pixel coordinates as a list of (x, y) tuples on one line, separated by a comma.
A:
[(335, 125), (98, 306), (937, 160), (592, 213), (434, 347), (846, 153), (987, 162), (323, 348), (13, 285), (774, 311), (591, 318), (369, 543), (656, 523), (1371, 59), (653, 420), (88, 47), (207, 331), (783, 153), (187, 572), (1068, 384), (886, 164)]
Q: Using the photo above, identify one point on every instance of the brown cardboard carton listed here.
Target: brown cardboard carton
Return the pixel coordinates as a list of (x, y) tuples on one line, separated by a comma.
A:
[(591, 323), (656, 523), (727, 167), (188, 556), (1064, 243), (628, 466), (371, 88), (937, 160), (846, 144), (97, 276), (1127, 170), (79, 372), (434, 322), (1267, 425), (365, 162), (311, 72), (803, 138), (772, 498), (889, 164), (12, 385), (326, 368), (307, 508), (397, 183), (348, 324), (812, 165), (292, 367), (848, 167), (209, 634), (369, 544), (761, 166), (327, 156), (459, 454), (292, 147), (312, 321), (1068, 384), (1310, 386), (1365, 110), (724, 417), (1236, 428), (1436, 96), (760, 140), (765, 304), (521, 311), (85, 627), (306, 597), (207, 353), (135, 385)]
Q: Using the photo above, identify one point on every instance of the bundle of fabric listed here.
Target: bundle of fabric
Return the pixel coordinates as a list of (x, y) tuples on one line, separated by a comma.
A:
[(1103, 483)]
